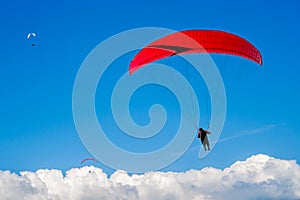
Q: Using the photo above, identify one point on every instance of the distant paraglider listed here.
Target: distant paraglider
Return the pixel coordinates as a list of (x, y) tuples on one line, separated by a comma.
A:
[(32, 38), (86, 159)]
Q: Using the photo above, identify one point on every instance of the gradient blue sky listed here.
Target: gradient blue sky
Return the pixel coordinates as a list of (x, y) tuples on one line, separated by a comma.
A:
[(37, 128)]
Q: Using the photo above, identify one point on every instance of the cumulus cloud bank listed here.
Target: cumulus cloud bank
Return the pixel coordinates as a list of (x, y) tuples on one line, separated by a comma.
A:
[(258, 177)]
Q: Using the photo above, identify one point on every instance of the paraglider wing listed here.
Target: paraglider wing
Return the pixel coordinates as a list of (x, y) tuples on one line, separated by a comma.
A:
[(195, 41), (84, 160), (30, 35)]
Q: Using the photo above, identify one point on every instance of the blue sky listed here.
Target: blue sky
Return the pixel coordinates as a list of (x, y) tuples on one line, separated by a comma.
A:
[(37, 128)]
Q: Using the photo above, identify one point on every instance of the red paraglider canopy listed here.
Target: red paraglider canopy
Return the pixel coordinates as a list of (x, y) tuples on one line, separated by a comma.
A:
[(195, 41), (93, 159)]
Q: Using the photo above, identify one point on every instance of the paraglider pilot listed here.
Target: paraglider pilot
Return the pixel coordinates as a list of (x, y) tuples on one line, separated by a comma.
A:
[(202, 134)]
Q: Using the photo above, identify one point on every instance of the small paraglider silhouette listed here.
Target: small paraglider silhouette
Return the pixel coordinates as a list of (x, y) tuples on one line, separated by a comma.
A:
[(32, 38), (87, 159)]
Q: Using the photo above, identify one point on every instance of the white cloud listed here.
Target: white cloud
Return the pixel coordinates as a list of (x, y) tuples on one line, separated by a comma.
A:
[(258, 177)]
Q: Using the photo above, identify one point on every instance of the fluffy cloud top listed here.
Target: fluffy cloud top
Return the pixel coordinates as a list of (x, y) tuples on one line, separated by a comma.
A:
[(258, 177)]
